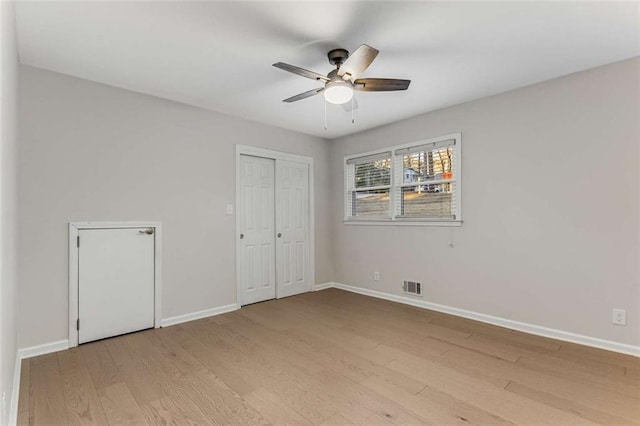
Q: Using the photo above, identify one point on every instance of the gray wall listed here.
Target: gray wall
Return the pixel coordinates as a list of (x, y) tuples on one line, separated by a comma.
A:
[(550, 207), (550, 200), (8, 203), (90, 152)]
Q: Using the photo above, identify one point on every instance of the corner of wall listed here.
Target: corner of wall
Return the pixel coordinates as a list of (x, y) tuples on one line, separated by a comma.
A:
[(8, 213)]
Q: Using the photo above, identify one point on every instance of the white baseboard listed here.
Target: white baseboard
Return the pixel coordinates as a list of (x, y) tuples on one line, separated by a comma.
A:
[(502, 322), (178, 319), (324, 286), (15, 392), (43, 349), (24, 353)]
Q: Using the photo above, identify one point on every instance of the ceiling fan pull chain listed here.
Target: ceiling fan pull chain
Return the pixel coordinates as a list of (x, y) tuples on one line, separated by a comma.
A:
[(353, 116), (325, 115)]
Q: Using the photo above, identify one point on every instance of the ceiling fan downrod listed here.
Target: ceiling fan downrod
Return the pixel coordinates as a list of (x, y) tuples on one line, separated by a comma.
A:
[(338, 57)]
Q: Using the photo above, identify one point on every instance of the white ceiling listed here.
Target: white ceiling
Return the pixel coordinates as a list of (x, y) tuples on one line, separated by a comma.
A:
[(218, 55)]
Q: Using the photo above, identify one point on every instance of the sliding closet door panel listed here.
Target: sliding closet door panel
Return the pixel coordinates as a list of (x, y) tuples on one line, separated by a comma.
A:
[(256, 216), (292, 219)]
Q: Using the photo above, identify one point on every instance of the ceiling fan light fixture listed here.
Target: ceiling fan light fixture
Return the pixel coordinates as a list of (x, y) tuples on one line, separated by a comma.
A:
[(338, 92)]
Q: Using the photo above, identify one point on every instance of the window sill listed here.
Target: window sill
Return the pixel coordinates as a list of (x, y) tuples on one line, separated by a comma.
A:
[(403, 222)]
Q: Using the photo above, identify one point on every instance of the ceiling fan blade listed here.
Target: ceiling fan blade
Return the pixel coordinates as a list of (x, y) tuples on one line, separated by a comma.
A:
[(357, 62), (380, 84), (300, 71), (304, 95), (348, 107)]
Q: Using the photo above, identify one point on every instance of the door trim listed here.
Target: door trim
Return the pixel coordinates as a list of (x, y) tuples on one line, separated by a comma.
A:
[(74, 233), (275, 155)]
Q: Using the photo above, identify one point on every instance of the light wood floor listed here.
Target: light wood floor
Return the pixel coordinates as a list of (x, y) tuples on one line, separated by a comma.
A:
[(330, 358)]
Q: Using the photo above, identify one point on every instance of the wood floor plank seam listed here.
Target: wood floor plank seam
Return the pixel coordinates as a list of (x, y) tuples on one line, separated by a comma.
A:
[(420, 390)]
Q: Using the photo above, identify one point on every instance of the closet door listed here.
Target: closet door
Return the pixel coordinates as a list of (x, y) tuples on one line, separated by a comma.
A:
[(292, 227), (256, 210)]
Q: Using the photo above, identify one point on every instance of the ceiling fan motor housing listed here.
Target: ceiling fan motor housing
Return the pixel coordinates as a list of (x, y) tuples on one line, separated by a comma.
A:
[(338, 56)]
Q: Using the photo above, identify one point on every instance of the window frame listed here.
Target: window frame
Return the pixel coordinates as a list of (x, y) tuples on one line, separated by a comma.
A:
[(394, 217)]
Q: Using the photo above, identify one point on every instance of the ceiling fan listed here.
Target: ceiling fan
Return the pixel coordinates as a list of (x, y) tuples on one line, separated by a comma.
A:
[(340, 83)]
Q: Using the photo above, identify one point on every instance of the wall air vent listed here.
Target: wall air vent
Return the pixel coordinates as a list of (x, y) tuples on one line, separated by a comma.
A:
[(412, 287)]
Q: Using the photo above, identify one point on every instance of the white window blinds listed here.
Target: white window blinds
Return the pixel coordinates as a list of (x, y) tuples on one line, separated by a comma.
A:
[(426, 185), (407, 183), (368, 182)]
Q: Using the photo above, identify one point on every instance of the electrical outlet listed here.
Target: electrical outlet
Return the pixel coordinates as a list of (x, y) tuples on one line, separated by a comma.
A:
[(619, 317), (376, 276)]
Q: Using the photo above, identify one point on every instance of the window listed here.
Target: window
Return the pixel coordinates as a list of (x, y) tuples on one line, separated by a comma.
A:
[(369, 185), (413, 183)]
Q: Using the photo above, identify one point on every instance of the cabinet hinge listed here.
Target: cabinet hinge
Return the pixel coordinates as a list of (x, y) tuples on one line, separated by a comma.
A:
[(78, 324), (78, 240)]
